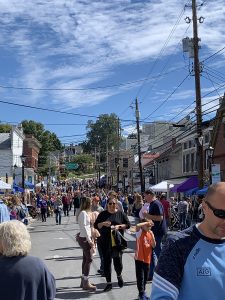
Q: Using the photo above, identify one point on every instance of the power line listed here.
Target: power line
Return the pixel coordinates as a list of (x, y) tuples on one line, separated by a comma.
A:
[(85, 89), (167, 97), (214, 54), (48, 109), (163, 68), (161, 136), (208, 77), (162, 50), (65, 136)]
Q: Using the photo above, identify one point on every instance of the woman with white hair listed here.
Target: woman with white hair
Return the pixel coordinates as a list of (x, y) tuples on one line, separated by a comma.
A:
[(22, 277)]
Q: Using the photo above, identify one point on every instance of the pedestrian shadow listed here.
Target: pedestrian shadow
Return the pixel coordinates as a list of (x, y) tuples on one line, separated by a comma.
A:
[(69, 278), (128, 283), (45, 225), (77, 293), (66, 248), (39, 231), (64, 258)]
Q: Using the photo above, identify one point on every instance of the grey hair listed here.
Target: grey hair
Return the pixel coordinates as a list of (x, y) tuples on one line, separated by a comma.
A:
[(14, 239)]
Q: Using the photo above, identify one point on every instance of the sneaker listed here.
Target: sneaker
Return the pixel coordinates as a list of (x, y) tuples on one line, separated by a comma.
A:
[(143, 297), (88, 286), (108, 287), (120, 281)]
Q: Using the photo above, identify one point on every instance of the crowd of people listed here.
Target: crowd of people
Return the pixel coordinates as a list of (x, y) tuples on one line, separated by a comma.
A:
[(104, 216)]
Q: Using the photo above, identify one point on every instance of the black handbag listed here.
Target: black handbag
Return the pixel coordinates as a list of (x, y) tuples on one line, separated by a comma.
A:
[(121, 243)]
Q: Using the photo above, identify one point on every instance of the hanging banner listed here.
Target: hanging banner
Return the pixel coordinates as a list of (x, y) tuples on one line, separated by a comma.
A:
[(216, 173)]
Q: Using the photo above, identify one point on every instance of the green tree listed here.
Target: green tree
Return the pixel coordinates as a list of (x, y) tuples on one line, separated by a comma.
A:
[(48, 140), (85, 161), (99, 132), (5, 128)]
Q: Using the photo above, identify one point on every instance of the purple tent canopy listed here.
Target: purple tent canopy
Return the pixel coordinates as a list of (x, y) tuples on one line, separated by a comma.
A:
[(188, 184)]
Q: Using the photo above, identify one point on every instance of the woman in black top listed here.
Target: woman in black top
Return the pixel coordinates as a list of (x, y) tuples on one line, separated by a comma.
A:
[(107, 220)]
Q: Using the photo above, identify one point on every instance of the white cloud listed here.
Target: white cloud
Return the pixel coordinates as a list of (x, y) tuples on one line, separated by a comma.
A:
[(129, 130), (78, 44)]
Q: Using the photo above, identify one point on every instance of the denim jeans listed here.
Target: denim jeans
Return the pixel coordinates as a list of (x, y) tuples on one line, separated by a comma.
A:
[(58, 217), (183, 220), (155, 255)]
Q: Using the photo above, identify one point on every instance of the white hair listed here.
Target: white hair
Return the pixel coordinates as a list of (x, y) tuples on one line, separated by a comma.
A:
[(14, 239)]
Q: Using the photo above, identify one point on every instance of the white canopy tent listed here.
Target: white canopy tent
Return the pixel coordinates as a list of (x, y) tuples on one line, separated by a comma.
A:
[(4, 185), (163, 186), (41, 184)]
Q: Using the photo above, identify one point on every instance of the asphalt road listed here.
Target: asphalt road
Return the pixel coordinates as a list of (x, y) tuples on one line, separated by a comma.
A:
[(57, 246)]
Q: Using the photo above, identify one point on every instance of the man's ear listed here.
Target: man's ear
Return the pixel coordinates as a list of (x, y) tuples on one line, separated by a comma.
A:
[(204, 205)]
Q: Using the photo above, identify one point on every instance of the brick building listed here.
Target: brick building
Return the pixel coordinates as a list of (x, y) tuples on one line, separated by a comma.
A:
[(31, 149)]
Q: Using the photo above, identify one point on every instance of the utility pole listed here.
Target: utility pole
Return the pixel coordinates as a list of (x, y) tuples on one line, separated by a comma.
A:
[(198, 96), (96, 164), (118, 154), (99, 165), (139, 146), (23, 159), (107, 161), (49, 171)]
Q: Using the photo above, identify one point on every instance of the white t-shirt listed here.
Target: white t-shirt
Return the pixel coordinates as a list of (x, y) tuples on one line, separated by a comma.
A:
[(144, 208), (85, 226)]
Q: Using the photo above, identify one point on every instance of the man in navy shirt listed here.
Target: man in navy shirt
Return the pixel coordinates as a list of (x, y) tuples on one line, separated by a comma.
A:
[(192, 262), (156, 214)]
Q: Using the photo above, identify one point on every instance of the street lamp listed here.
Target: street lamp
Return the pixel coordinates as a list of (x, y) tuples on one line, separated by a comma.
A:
[(155, 166), (23, 159), (209, 154), (14, 172)]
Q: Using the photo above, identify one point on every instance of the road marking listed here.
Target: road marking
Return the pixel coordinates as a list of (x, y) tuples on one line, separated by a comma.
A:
[(60, 238)]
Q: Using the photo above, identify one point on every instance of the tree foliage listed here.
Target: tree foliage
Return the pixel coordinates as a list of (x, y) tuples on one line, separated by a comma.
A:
[(5, 128), (85, 161), (99, 132), (48, 140)]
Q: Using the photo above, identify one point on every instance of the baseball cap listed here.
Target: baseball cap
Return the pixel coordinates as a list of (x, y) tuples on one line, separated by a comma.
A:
[(149, 192)]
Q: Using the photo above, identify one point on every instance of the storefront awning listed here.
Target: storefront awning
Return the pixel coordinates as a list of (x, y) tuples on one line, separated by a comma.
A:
[(17, 188), (29, 184), (202, 191), (191, 192), (162, 186), (190, 183)]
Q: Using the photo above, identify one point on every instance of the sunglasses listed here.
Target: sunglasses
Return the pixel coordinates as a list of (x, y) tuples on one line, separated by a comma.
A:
[(112, 203), (219, 213)]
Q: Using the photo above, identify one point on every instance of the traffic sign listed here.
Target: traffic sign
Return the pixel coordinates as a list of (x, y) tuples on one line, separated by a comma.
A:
[(71, 166)]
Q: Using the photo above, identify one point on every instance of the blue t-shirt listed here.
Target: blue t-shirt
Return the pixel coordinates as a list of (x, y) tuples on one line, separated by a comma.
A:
[(156, 209), (191, 267)]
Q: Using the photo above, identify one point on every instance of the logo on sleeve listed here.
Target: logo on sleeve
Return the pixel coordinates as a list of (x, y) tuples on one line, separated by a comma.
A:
[(203, 272), (196, 253)]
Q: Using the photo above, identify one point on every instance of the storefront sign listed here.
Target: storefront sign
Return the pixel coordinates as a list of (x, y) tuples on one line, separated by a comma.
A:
[(216, 177)]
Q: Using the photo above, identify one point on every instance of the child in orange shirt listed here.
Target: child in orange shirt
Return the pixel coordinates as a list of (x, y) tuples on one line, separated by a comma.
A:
[(145, 242)]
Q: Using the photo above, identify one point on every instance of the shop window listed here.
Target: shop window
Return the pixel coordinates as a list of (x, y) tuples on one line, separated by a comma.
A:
[(184, 165), (125, 162)]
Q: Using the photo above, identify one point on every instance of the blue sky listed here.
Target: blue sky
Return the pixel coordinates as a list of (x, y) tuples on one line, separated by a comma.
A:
[(79, 56)]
